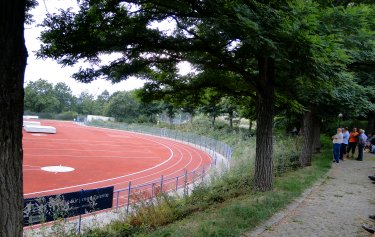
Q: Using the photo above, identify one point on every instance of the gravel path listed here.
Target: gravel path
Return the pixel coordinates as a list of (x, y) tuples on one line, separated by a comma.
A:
[(336, 206)]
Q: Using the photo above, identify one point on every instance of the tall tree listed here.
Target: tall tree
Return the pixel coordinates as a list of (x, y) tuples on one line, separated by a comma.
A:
[(40, 96), (64, 95), (252, 40), (211, 105), (230, 106), (123, 106), (102, 101), (12, 68), (246, 109), (86, 104)]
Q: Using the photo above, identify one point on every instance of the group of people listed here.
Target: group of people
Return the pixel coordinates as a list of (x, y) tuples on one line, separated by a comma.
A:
[(345, 143)]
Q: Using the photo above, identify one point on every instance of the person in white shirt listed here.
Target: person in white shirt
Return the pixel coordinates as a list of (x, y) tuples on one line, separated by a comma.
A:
[(344, 144), (337, 140)]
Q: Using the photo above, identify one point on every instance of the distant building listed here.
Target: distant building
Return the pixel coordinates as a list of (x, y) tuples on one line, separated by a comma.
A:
[(90, 118)]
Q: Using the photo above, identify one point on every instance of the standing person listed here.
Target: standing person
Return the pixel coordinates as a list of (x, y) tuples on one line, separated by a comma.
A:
[(362, 138), (337, 140), (353, 140), (344, 144)]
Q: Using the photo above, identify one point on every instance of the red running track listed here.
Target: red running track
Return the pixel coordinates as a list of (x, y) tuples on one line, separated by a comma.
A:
[(100, 158)]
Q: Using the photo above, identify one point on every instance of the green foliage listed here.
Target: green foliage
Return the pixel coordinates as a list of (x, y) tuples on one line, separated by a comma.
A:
[(44, 97), (287, 159), (39, 97), (308, 56), (64, 95), (57, 102), (30, 4), (69, 115), (123, 106), (85, 104)]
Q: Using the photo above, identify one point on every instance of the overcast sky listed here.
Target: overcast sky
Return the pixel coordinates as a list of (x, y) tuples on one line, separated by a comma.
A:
[(53, 72)]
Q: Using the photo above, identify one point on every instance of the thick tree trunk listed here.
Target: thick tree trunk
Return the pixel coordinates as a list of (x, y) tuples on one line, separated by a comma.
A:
[(263, 177), (12, 68), (308, 138), (316, 143)]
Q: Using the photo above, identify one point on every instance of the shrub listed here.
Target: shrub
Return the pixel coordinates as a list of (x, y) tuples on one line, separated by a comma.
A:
[(68, 115), (45, 115)]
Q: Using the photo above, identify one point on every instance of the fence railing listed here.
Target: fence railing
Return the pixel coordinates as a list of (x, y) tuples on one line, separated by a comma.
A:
[(220, 153)]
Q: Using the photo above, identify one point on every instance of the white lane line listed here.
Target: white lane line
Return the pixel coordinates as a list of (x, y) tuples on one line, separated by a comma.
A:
[(178, 147), (93, 156), (80, 150), (160, 171), (106, 180), (52, 144), (140, 136)]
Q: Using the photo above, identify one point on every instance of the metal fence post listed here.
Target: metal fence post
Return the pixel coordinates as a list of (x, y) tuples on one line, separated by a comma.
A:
[(117, 200), (202, 175), (129, 191), (152, 190), (185, 182), (192, 179), (80, 212), (176, 183), (161, 184)]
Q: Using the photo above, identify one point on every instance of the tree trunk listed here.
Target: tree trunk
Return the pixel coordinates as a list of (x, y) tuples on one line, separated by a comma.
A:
[(308, 138), (213, 120), (263, 177), (231, 119), (12, 67), (250, 124), (316, 143)]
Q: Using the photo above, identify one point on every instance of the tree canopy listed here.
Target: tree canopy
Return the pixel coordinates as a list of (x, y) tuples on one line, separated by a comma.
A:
[(266, 50)]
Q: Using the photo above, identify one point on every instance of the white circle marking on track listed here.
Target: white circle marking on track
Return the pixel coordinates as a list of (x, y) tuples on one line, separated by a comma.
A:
[(123, 176), (57, 169), (105, 180)]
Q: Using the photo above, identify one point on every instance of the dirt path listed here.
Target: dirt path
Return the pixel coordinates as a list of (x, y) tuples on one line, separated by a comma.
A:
[(337, 206)]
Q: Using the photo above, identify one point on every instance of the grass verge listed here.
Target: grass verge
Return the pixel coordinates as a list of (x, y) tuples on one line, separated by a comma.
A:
[(243, 213)]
